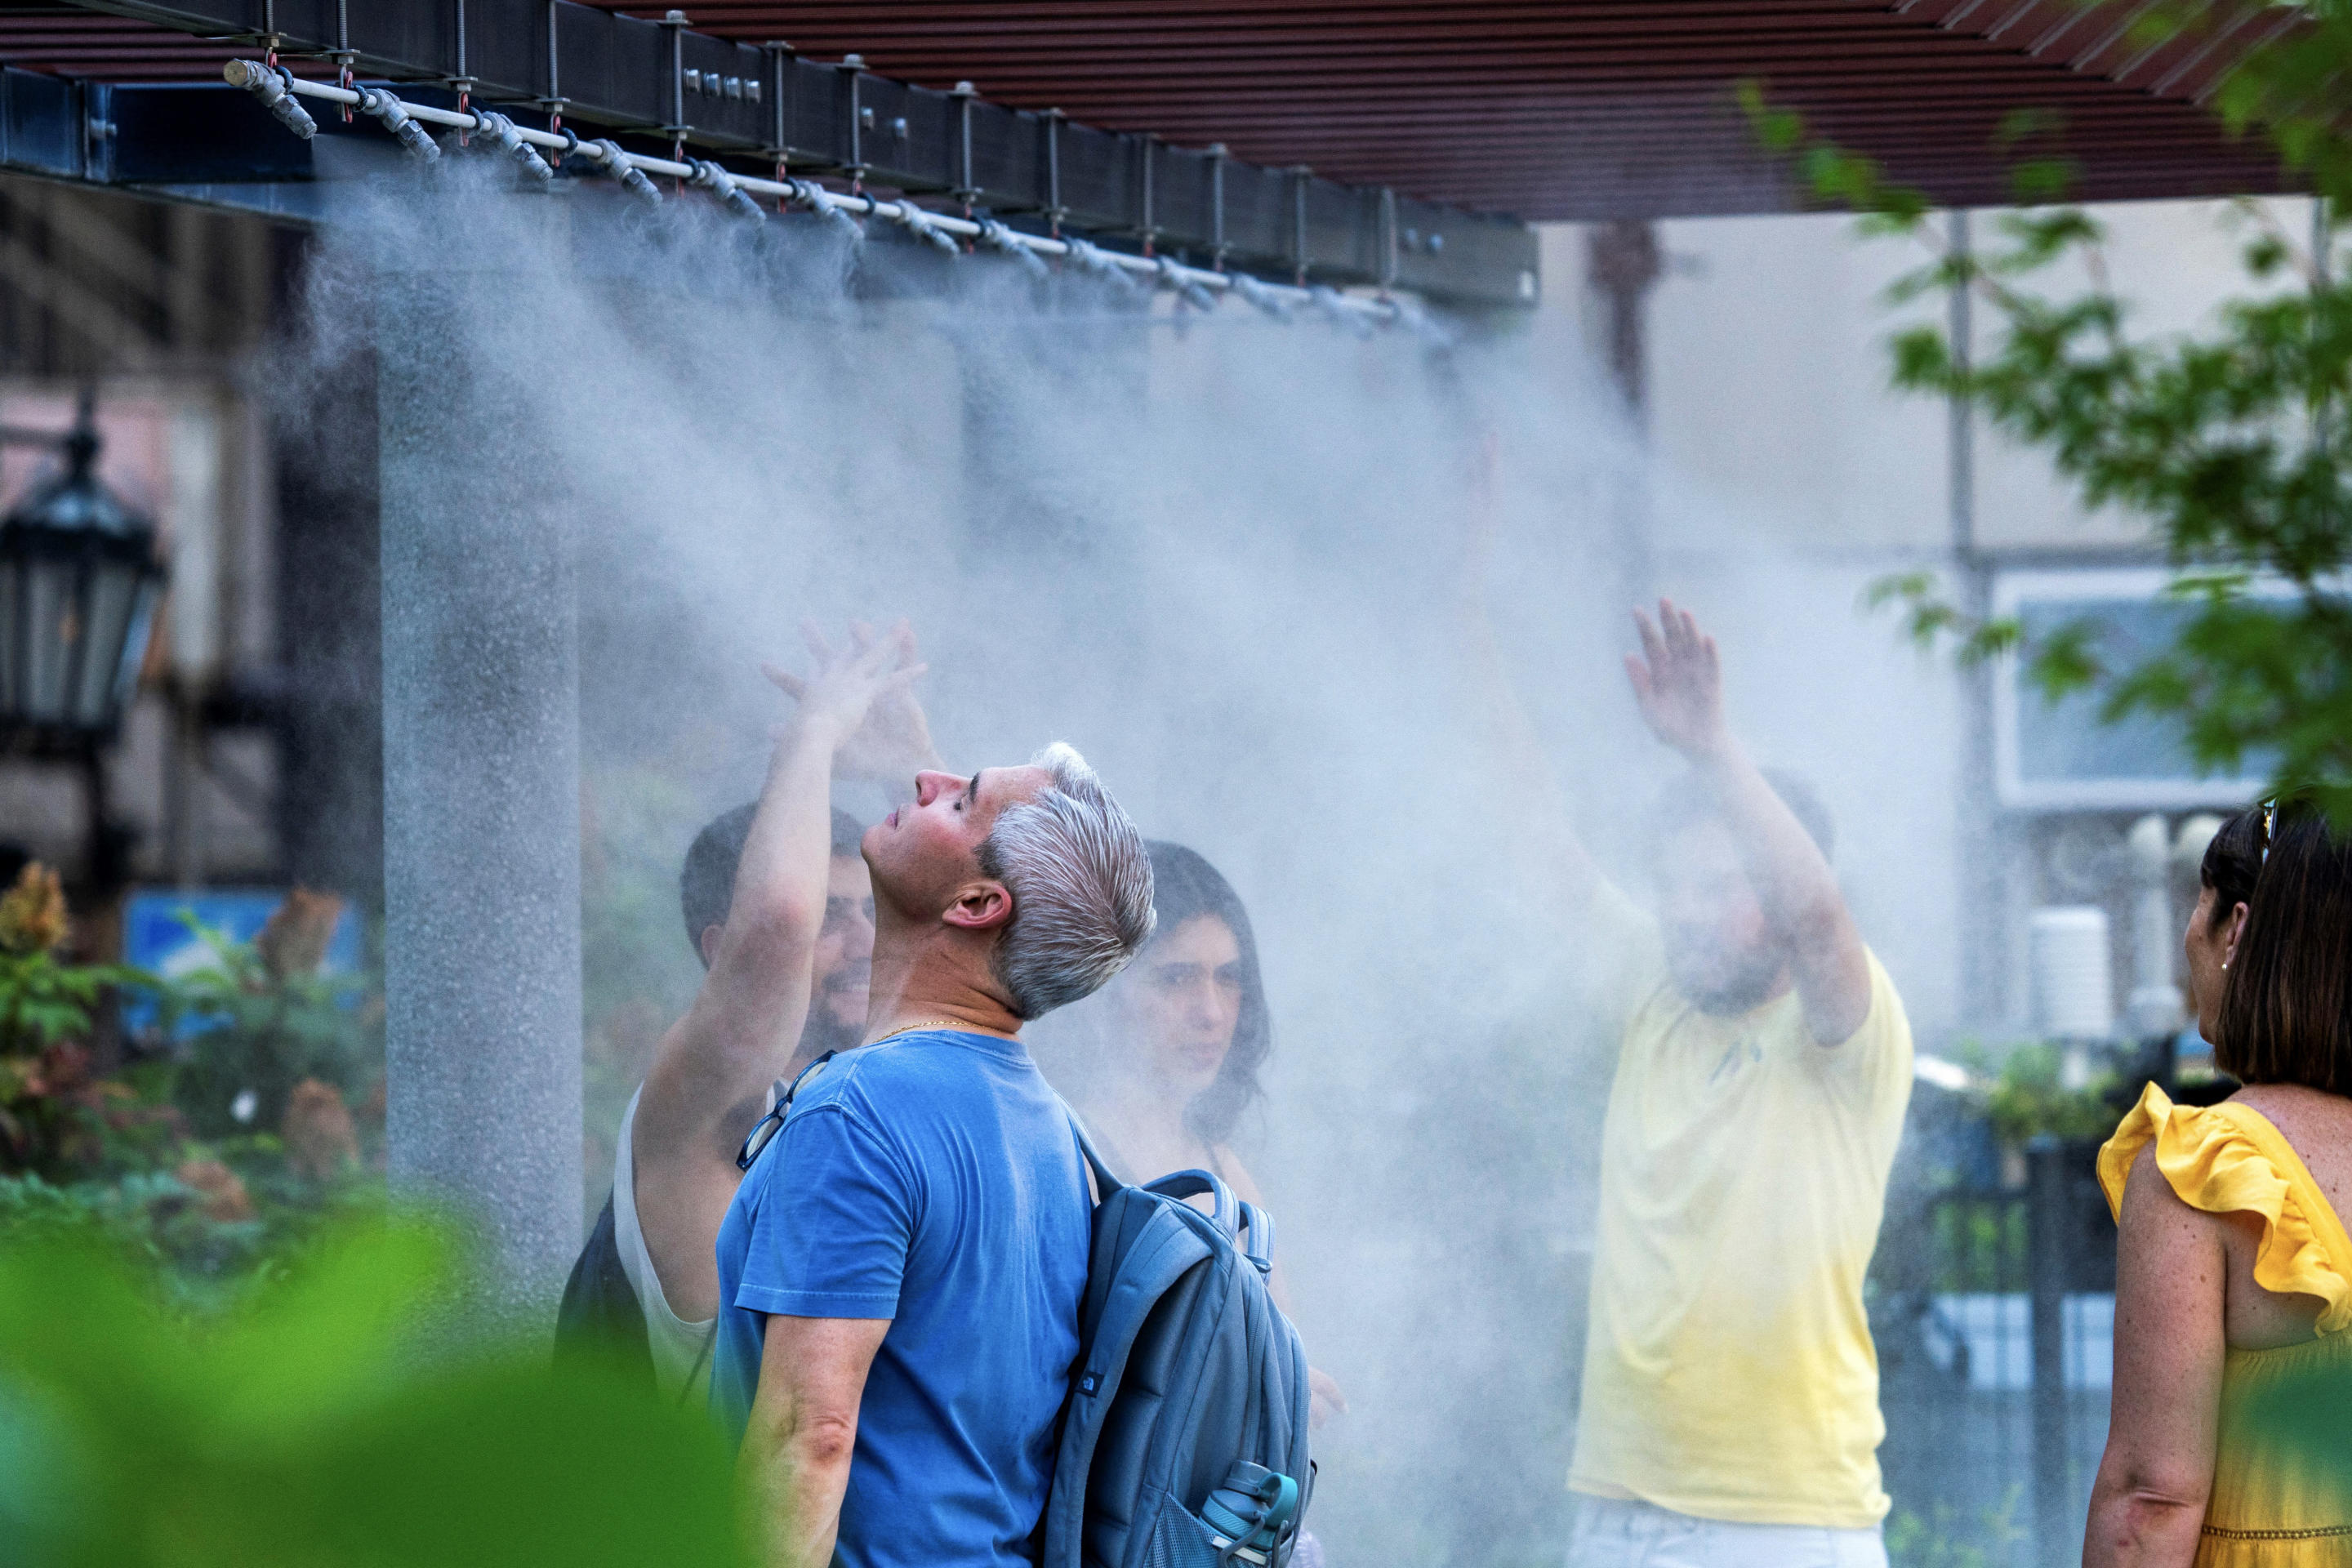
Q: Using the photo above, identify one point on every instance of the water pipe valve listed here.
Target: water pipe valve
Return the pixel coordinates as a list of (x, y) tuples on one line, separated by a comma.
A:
[(720, 183), (918, 223), (820, 201), (270, 87), (1260, 297), (996, 237), (1185, 288), (388, 112), (1093, 259), (617, 163), (500, 129)]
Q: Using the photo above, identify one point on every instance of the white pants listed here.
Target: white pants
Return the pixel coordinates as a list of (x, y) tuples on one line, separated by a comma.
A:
[(1612, 1532)]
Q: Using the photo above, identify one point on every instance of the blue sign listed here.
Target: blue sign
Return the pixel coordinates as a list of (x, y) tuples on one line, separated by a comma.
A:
[(156, 937)]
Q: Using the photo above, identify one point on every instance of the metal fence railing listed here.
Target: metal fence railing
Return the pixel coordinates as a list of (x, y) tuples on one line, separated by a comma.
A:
[(1993, 1310)]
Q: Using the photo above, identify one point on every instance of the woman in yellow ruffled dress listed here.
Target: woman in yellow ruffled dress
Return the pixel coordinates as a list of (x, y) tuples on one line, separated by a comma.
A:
[(2231, 1442)]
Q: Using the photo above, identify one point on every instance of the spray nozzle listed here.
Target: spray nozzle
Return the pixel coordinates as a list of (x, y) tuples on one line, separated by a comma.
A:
[(721, 183), (1408, 314), (820, 201), (497, 128), (387, 113), (917, 221), (996, 237), (1326, 300), (1257, 295), (1185, 286), (276, 91), (1092, 258), (617, 164)]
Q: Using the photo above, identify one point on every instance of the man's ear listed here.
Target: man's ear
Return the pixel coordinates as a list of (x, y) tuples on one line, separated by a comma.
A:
[(979, 906), (709, 944)]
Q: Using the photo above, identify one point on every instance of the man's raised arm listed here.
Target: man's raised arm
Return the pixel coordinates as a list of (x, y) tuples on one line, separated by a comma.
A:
[(1678, 682), (740, 1034)]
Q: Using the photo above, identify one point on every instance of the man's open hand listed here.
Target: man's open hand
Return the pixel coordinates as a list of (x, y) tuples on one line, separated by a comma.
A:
[(848, 689), (1678, 682), (893, 745)]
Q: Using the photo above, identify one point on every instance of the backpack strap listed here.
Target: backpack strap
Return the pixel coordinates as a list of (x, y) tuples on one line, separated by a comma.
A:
[(1105, 1182), (1223, 1210), (1259, 1247)]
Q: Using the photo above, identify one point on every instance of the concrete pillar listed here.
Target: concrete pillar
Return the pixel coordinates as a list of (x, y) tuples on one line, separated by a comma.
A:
[(481, 798), (330, 597)]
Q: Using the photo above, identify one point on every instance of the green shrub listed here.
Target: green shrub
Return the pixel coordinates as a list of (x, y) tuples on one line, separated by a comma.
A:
[(315, 1421)]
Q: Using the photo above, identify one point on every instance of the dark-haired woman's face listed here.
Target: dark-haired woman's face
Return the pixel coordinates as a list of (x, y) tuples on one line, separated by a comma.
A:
[(1178, 1005), (2207, 948)]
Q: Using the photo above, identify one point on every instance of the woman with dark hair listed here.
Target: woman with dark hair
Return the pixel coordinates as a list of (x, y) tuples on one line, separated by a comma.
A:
[(2231, 1441), (1180, 1036), (1185, 1030)]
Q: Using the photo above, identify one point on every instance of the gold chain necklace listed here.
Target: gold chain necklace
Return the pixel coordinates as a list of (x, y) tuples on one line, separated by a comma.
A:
[(965, 1024)]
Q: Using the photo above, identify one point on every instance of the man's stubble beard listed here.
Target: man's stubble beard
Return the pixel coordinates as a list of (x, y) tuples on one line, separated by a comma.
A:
[(825, 1032), (1754, 979)]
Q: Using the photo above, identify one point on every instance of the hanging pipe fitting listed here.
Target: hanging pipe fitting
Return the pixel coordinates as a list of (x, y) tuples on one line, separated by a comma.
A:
[(917, 221), (1407, 313), (275, 89), (720, 183), (820, 201), (1172, 276), (498, 130), (389, 113), (1091, 258), (617, 164), (997, 237), (1330, 301), (1258, 295)]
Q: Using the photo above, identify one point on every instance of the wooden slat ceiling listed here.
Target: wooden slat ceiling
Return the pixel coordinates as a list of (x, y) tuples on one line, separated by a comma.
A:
[(1605, 108), (65, 41)]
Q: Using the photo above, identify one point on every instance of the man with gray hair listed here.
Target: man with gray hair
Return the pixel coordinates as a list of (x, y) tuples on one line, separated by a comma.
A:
[(901, 1269)]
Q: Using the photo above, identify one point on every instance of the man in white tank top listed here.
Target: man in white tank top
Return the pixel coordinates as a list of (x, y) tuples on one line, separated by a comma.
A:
[(777, 902)]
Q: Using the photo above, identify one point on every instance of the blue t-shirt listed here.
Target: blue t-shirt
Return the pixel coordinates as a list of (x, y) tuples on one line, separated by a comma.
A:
[(931, 1179)]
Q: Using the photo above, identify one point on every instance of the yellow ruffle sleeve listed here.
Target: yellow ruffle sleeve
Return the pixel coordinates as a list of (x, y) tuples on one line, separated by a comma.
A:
[(2228, 1159)]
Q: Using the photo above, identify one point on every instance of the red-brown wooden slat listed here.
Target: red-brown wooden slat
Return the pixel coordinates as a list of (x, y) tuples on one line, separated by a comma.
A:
[(1545, 108)]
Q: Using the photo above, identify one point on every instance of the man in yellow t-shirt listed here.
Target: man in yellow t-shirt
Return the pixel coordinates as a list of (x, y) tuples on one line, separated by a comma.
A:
[(1730, 1395)]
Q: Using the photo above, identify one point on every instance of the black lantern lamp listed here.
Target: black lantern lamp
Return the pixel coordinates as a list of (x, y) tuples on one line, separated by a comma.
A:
[(78, 585)]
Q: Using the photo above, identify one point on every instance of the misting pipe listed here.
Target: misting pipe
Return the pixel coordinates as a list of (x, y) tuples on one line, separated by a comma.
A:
[(1197, 286)]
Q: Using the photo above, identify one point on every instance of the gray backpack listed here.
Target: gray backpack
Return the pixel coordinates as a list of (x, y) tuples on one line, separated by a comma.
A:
[(1183, 1441)]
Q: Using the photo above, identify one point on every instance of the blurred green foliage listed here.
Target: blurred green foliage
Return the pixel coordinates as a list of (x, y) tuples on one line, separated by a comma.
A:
[(57, 1114), (2228, 440), (247, 1118), (319, 1420), (265, 1016), (2028, 1096), (1941, 1540)]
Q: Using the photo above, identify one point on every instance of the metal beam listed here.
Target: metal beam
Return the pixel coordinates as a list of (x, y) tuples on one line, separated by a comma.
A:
[(767, 104)]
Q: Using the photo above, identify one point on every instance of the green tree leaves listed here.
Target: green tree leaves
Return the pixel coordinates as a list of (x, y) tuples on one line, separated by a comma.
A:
[(2228, 440)]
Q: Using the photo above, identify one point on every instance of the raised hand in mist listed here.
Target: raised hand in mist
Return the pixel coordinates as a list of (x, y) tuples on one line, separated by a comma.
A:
[(893, 745), (1678, 682), (859, 691)]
